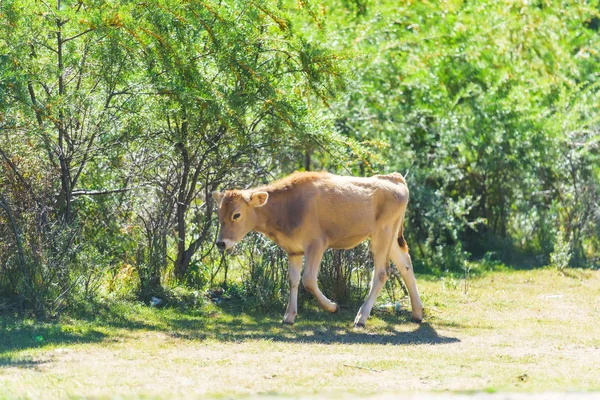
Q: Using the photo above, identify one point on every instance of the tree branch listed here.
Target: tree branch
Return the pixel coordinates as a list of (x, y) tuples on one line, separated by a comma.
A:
[(17, 173), (78, 35), (84, 192), (5, 206)]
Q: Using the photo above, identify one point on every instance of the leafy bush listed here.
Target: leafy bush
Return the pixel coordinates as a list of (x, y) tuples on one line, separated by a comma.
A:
[(561, 256)]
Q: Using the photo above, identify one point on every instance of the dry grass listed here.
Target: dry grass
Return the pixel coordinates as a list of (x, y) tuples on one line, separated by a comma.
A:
[(525, 331)]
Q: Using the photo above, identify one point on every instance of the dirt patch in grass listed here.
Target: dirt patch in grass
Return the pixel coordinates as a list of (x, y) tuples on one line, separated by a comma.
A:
[(526, 331)]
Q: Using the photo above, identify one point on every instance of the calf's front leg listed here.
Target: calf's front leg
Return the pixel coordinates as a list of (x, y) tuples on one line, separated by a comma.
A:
[(294, 276)]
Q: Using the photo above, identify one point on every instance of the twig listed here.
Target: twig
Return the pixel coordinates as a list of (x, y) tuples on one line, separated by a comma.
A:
[(396, 274), (408, 170), (359, 367), (85, 192), (6, 207)]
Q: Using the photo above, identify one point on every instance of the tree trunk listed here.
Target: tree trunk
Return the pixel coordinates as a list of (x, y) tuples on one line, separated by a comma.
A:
[(64, 197), (307, 160), (182, 261), (184, 256)]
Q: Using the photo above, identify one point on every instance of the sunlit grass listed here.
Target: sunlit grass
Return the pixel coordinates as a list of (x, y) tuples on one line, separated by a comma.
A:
[(515, 331)]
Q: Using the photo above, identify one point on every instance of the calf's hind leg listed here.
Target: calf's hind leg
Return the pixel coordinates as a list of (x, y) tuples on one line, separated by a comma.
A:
[(401, 258), (380, 247), (312, 260)]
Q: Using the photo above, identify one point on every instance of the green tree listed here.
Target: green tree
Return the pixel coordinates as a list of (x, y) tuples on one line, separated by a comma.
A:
[(468, 96), (229, 89)]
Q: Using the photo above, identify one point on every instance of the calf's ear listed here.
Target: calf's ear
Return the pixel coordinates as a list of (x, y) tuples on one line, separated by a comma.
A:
[(258, 199), (218, 196)]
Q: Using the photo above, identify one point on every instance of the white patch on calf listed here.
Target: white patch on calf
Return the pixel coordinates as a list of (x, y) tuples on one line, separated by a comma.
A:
[(229, 243)]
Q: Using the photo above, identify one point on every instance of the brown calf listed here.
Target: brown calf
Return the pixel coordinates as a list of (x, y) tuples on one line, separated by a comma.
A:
[(308, 212)]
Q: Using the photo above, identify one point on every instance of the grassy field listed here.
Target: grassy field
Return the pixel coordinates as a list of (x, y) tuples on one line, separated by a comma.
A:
[(512, 331)]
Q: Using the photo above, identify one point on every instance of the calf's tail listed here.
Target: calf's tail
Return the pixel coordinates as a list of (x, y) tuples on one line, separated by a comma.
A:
[(401, 240)]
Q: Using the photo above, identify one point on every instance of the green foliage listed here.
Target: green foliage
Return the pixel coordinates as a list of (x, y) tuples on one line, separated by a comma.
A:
[(118, 120), (468, 96), (263, 281), (561, 254), (345, 275)]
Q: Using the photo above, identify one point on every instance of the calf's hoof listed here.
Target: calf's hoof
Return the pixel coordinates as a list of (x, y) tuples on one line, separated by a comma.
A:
[(359, 325), (418, 320), (337, 309), (284, 322)]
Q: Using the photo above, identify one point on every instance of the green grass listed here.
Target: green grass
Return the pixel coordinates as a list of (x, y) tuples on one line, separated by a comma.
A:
[(511, 331)]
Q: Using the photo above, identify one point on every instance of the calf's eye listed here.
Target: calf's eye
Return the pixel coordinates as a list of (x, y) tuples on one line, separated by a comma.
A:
[(236, 215)]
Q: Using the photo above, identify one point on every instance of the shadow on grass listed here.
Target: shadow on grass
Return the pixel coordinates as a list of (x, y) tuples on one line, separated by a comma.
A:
[(224, 324), (309, 333), (228, 324), (17, 335), (16, 362)]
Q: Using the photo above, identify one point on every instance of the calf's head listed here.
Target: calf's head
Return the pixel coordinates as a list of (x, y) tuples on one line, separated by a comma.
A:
[(237, 215)]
